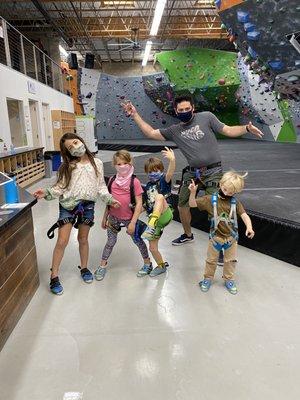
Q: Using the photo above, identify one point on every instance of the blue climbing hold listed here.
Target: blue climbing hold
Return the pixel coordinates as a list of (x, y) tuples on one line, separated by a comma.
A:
[(254, 35), (249, 27), (243, 16), (277, 65)]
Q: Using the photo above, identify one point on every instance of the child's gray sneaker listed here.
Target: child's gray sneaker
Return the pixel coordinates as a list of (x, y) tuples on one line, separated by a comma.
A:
[(157, 271), (100, 273), (145, 270)]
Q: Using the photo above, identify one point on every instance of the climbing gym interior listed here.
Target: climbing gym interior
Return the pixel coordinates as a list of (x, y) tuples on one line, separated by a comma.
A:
[(210, 88)]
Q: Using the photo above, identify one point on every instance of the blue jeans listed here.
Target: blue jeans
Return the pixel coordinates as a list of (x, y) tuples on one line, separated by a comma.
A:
[(86, 210)]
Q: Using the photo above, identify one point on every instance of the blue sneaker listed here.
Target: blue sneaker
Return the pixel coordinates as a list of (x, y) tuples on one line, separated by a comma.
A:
[(205, 285), (230, 286), (100, 273), (55, 286), (148, 234), (145, 270), (157, 271), (86, 275), (183, 239)]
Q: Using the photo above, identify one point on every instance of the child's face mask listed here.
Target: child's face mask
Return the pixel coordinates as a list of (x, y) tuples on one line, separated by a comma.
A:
[(155, 176), (124, 169), (78, 151)]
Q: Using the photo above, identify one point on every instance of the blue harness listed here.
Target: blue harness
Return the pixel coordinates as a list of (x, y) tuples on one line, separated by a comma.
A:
[(231, 223)]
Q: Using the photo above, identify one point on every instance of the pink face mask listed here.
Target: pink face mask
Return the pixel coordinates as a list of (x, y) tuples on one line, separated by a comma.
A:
[(124, 169)]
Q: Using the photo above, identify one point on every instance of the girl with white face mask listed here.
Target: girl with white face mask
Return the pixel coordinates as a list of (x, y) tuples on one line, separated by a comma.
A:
[(127, 189), (80, 181)]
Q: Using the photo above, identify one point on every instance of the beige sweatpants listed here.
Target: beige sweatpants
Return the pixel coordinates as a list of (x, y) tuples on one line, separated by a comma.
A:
[(229, 261)]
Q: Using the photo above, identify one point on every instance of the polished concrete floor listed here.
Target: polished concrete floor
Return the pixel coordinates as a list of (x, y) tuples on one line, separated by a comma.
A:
[(158, 338)]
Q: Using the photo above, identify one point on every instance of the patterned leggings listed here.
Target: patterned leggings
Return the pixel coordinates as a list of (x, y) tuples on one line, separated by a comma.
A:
[(115, 224)]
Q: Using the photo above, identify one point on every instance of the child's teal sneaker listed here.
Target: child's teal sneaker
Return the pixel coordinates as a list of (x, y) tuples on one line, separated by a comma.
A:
[(100, 273), (205, 285), (230, 286), (145, 270), (55, 286)]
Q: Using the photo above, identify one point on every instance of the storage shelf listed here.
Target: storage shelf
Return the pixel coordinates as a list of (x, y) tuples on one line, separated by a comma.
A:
[(28, 166)]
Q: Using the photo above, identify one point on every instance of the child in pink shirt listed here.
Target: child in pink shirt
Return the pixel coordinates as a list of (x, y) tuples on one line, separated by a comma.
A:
[(126, 188)]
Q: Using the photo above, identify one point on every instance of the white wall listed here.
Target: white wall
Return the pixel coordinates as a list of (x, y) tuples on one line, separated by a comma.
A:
[(14, 85)]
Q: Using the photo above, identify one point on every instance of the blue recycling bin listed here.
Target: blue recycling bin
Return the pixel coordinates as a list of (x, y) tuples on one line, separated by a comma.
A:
[(11, 191), (55, 158)]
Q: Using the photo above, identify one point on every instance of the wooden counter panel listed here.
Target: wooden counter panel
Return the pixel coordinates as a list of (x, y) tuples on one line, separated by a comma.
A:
[(16, 304), (17, 245), (19, 278)]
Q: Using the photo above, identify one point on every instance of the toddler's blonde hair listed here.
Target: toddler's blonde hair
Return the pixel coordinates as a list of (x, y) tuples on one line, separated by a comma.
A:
[(233, 181)]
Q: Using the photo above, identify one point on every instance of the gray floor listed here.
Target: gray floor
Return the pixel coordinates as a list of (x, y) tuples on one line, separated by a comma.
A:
[(127, 338)]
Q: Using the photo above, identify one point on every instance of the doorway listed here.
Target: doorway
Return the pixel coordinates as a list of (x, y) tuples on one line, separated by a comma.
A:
[(34, 117), (16, 122), (47, 126)]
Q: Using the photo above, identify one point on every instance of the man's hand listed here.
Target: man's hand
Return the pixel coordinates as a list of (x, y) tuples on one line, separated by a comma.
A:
[(193, 187), (250, 233), (255, 131), (115, 203), (39, 194), (168, 153), (129, 108), (131, 228)]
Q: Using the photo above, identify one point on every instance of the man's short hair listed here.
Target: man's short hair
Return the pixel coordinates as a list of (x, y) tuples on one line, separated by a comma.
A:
[(180, 99)]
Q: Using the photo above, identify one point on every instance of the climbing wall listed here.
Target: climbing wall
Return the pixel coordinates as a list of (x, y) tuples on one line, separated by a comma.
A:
[(263, 25), (209, 75), (111, 122), (89, 79), (258, 103), (261, 31)]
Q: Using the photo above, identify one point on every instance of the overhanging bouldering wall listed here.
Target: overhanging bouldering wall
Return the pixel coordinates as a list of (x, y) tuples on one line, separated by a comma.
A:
[(111, 121)]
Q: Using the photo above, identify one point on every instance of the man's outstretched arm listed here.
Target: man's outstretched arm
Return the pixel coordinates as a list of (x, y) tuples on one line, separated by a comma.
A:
[(143, 125)]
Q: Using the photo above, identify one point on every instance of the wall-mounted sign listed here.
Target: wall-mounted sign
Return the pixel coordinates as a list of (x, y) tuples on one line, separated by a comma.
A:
[(56, 124), (31, 87)]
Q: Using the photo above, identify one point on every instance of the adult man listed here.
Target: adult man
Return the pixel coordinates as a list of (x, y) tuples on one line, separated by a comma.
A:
[(195, 137)]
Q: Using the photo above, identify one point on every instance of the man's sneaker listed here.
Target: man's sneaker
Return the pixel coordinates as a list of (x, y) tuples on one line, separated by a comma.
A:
[(205, 285), (145, 270), (183, 239), (230, 286), (157, 271), (220, 262), (100, 273), (55, 286), (86, 275), (148, 233)]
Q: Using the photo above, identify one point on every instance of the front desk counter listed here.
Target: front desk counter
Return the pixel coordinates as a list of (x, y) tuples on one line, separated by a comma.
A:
[(19, 278)]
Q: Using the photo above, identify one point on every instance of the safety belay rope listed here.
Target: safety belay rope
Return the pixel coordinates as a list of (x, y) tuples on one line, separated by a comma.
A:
[(231, 223)]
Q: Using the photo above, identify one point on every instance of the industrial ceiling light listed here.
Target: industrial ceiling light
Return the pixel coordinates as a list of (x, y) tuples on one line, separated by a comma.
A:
[(147, 53), (63, 51), (159, 9)]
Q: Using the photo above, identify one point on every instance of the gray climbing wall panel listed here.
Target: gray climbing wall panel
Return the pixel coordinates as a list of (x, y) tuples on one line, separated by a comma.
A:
[(111, 122), (258, 103), (89, 79)]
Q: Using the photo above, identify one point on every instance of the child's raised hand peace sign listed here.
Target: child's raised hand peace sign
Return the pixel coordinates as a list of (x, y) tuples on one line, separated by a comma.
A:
[(193, 187)]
